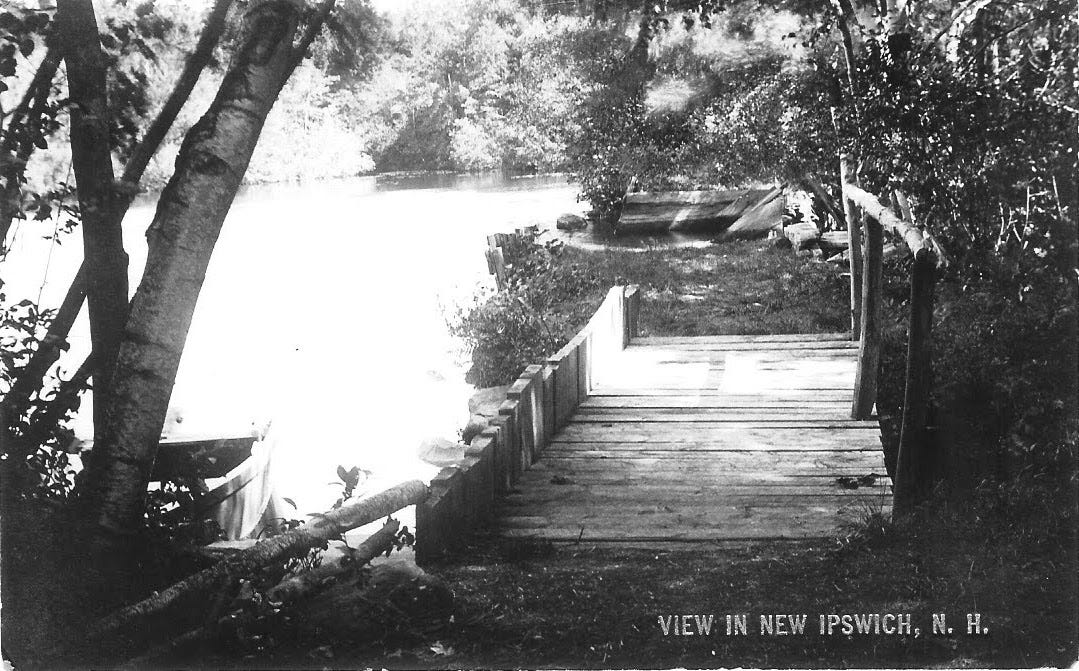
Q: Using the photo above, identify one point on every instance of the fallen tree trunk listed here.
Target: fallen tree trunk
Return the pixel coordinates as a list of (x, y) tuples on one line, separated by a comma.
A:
[(287, 591), (299, 586), (322, 528)]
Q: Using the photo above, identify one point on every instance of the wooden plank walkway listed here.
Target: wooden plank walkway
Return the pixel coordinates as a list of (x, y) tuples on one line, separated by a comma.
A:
[(718, 438)]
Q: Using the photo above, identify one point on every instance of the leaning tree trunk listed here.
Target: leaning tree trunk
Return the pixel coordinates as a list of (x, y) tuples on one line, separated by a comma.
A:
[(29, 378), (191, 210), (91, 162)]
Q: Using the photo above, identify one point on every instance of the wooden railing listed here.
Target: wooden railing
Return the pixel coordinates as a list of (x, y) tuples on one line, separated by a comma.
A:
[(537, 405), (913, 464)]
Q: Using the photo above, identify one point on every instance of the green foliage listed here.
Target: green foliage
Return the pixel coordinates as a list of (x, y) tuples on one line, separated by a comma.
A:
[(349, 480), (526, 322), (21, 30), (990, 170), (1004, 371), (485, 84), (719, 105), (504, 334), (35, 457), (986, 150)]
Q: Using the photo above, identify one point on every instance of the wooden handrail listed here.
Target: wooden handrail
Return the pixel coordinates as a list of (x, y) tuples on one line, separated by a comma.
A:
[(916, 241), (913, 473)]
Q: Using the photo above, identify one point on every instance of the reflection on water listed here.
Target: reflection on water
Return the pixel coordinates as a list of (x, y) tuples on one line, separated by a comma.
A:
[(323, 312)]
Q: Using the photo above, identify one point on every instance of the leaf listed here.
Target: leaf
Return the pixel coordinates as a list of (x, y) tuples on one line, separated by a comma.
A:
[(289, 501)]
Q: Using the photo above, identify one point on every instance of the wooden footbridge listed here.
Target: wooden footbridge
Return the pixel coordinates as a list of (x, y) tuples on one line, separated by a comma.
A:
[(626, 439), (716, 438)]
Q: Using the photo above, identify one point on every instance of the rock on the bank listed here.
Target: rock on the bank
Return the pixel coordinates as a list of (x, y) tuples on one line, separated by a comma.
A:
[(441, 452), (571, 222), (487, 400), (482, 407)]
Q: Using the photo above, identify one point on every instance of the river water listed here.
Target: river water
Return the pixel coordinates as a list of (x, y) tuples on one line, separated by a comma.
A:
[(324, 312)]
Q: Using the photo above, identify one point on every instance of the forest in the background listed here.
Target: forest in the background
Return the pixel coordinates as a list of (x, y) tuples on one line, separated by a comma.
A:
[(475, 85), (462, 86)]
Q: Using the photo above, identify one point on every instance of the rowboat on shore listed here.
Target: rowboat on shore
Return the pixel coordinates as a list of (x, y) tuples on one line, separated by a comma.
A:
[(711, 211)]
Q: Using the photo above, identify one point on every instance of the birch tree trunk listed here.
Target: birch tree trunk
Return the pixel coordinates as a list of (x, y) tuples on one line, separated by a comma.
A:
[(91, 162), (209, 168), (30, 378)]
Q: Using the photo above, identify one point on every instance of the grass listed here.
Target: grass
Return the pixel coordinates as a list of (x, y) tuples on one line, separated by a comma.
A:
[(730, 288), (1005, 555)]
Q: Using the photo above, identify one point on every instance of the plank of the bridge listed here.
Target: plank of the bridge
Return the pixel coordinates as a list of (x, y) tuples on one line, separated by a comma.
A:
[(712, 438)]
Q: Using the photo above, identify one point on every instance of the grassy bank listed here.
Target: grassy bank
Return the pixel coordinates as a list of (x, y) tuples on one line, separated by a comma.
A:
[(732, 288)]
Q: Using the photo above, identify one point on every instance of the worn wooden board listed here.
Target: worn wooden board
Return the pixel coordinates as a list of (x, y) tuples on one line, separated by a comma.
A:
[(715, 339), (733, 515), (719, 356), (730, 401), (646, 486), (702, 464), (683, 415), (644, 198), (708, 439), (775, 527), (614, 391), (698, 431), (754, 440), (706, 343), (652, 496)]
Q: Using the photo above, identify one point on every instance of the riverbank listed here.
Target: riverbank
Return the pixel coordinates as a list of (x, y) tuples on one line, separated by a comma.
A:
[(1004, 554), (744, 287)]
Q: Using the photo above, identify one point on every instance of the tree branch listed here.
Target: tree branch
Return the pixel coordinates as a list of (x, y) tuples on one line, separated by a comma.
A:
[(196, 63), (18, 142), (30, 376), (314, 26)]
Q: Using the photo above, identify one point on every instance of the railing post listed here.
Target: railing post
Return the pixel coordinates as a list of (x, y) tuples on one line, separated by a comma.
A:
[(632, 314), (854, 248), (865, 380), (913, 471)]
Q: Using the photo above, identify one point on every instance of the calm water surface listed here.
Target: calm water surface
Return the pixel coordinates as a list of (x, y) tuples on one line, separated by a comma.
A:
[(323, 312)]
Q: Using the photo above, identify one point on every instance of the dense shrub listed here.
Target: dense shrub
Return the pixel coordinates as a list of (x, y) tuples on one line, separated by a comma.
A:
[(989, 165), (527, 321)]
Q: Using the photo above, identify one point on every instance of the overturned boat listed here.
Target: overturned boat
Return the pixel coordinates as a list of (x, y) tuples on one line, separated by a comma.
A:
[(711, 211)]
